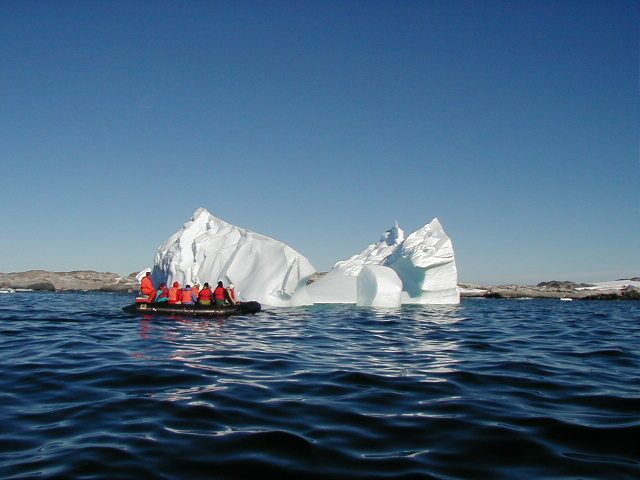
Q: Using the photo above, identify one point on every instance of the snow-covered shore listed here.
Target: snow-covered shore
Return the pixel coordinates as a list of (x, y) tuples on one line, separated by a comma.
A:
[(623, 289)]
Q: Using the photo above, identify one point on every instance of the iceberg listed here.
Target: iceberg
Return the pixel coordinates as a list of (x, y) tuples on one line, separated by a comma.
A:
[(141, 274), (208, 249), (418, 269), (427, 266), (339, 284), (378, 286), (424, 262)]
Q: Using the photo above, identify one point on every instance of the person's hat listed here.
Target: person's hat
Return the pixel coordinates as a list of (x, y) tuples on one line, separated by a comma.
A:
[(231, 285)]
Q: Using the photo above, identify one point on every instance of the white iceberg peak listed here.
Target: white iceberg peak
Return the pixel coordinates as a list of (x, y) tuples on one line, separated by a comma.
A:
[(208, 249), (427, 246), (374, 254), (393, 236), (427, 266), (424, 261)]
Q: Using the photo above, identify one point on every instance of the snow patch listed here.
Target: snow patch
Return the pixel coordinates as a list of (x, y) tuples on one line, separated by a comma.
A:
[(613, 285)]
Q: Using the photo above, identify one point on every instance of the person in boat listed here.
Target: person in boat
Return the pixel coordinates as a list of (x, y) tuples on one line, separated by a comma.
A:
[(220, 295), (205, 295), (187, 296), (174, 294), (147, 288), (196, 289), (163, 293), (233, 295)]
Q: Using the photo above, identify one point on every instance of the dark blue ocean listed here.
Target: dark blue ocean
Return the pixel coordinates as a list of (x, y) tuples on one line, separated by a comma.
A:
[(488, 389)]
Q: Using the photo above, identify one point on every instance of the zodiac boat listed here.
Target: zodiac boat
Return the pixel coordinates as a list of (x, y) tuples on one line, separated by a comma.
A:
[(163, 308)]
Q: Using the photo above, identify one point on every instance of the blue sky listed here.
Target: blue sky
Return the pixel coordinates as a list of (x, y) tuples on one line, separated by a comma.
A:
[(320, 124)]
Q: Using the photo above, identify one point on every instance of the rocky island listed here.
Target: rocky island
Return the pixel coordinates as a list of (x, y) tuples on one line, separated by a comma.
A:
[(85, 280), (622, 289)]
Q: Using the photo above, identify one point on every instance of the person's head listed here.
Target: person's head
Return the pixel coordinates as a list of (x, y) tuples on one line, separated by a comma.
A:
[(206, 285), (197, 285), (187, 287), (220, 283), (231, 285), (148, 274), (163, 285), (176, 284)]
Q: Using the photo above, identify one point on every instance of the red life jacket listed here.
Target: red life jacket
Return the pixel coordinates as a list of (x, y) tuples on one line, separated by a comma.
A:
[(218, 293), (186, 296), (174, 294), (205, 295)]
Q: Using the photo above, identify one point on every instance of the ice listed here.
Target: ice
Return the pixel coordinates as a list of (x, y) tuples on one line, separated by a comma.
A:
[(339, 284), (208, 249), (142, 274), (424, 262), (612, 285), (374, 254), (334, 287), (378, 286)]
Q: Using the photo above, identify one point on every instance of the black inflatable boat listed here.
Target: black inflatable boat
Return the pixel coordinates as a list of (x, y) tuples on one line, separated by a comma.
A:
[(164, 308)]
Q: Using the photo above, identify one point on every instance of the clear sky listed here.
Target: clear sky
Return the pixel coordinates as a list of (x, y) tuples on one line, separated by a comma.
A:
[(321, 123)]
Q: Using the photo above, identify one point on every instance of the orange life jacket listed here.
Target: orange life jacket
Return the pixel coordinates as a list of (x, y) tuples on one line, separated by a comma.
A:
[(174, 294), (146, 285), (186, 296), (196, 291)]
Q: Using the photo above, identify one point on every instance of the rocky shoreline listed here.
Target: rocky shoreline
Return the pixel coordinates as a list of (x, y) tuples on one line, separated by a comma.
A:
[(89, 280), (627, 289), (77, 280)]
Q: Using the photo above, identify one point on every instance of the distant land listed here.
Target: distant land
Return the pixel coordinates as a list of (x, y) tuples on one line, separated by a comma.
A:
[(75, 280), (89, 280), (622, 289)]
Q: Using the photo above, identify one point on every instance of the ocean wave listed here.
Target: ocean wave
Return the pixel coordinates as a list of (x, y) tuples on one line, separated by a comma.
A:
[(485, 389)]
